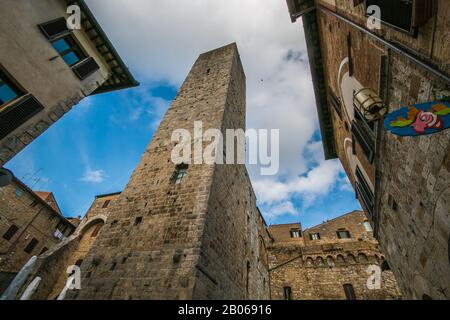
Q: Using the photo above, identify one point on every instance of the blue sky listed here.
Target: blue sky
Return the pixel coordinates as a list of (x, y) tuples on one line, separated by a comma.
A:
[(94, 148)]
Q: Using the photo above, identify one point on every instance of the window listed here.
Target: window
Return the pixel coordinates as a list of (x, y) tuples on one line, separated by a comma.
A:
[(138, 221), (314, 236), (106, 204), (343, 234), (364, 192), (64, 42), (44, 250), (11, 232), (180, 173), (404, 15), (364, 134), (8, 90), (368, 226), (96, 231), (69, 50), (30, 247), (295, 233), (19, 192), (287, 293), (349, 292)]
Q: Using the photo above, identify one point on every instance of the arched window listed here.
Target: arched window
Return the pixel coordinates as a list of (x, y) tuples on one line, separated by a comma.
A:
[(349, 292), (96, 230), (287, 291), (180, 173)]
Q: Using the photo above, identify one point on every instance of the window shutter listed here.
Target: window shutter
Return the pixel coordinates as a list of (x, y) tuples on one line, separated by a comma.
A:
[(364, 139), (14, 116), (423, 10), (364, 191), (55, 28), (397, 13), (85, 68)]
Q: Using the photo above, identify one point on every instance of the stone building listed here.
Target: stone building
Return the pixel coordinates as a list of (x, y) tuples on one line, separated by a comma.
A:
[(47, 68), (30, 224), (51, 266), (402, 182), (188, 231), (329, 261)]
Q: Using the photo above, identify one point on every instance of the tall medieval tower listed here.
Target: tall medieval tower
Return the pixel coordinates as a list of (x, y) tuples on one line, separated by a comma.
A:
[(191, 232)]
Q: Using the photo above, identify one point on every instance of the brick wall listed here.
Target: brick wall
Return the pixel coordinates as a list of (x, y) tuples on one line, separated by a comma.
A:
[(319, 269)]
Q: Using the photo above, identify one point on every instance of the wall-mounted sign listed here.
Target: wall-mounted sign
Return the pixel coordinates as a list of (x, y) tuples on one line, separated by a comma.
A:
[(420, 119)]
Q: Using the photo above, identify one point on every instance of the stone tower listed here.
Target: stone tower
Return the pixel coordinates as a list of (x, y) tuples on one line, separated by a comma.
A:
[(200, 237)]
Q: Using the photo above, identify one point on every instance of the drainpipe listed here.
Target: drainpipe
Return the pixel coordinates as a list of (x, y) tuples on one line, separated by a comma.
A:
[(415, 58)]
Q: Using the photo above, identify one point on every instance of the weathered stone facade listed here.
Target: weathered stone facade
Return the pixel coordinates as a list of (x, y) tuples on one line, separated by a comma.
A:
[(319, 269), (200, 238), (52, 266), (32, 65), (27, 228), (407, 183)]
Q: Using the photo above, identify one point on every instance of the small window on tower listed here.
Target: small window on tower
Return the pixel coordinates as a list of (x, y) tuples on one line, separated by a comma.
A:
[(106, 204), (180, 173)]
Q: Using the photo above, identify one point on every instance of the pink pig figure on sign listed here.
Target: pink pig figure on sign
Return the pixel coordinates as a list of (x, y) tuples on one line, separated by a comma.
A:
[(427, 120)]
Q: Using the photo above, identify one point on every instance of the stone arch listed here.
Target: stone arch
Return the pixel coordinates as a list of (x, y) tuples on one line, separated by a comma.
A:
[(309, 262), (330, 261), (362, 258), (88, 224), (351, 259), (319, 262), (340, 260)]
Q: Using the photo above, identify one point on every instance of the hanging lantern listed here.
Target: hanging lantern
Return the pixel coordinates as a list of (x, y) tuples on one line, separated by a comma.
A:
[(370, 104)]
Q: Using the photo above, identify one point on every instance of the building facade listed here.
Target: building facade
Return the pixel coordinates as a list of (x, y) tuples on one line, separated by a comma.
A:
[(332, 261), (52, 267), (46, 67), (186, 231), (401, 182), (30, 224)]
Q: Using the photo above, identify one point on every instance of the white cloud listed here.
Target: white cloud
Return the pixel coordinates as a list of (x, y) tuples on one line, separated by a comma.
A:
[(94, 176), (316, 182)]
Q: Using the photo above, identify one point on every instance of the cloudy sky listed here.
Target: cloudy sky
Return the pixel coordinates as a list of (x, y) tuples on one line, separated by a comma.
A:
[(94, 148)]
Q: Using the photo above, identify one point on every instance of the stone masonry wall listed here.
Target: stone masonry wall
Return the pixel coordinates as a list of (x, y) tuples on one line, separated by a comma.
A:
[(410, 175), (319, 269), (34, 219)]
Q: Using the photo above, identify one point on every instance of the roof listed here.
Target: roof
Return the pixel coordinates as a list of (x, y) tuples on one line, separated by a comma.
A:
[(50, 199), (43, 202), (303, 8), (121, 77)]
